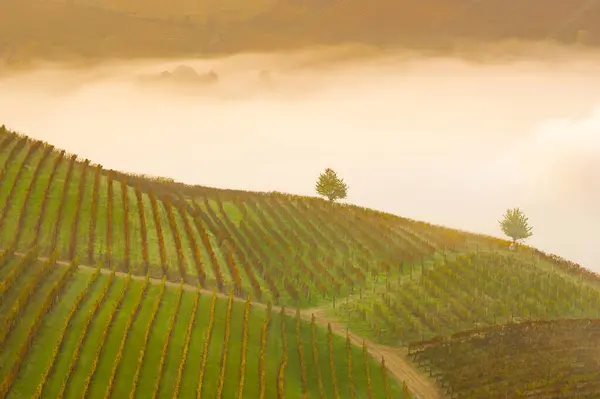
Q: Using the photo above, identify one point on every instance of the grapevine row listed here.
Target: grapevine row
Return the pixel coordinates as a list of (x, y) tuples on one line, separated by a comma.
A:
[(149, 326), (186, 346), (78, 201), (45, 196), (126, 227), (63, 200), (242, 374), (94, 212), (207, 339), (221, 383), (83, 335), (23, 299), (128, 324), (25, 347), (167, 341), (74, 308), (18, 178)]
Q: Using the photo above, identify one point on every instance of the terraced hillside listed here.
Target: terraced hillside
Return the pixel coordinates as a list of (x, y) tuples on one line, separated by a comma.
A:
[(544, 359), (289, 250), (77, 332), (460, 292)]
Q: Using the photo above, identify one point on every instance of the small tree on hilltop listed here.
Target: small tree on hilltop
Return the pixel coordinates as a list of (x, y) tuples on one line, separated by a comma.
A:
[(331, 186), (516, 225)]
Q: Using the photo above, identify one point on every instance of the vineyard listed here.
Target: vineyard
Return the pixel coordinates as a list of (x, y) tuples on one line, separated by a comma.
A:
[(544, 359), (215, 238), (90, 334), (147, 287), (470, 290)]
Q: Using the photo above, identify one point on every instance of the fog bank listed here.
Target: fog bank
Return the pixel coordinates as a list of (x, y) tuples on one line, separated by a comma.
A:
[(435, 139)]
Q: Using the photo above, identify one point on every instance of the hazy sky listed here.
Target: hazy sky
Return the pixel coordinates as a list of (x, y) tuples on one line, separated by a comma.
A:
[(440, 140)]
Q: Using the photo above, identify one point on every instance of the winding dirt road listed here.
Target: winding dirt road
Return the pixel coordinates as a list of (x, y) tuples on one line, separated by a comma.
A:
[(399, 367)]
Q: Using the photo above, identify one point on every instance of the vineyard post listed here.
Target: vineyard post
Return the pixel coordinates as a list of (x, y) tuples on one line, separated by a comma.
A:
[(348, 322)]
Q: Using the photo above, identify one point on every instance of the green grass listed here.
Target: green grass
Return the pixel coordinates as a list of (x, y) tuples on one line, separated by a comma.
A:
[(11, 170), (50, 212), (171, 251), (15, 288), (92, 341), (136, 258), (82, 230), (100, 236), (48, 338), (19, 331), (118, 226), (152, 236), (10, 221), (124, 378), (176, 347), (39, 357), (111, 344), (72, 336), (155, 343)]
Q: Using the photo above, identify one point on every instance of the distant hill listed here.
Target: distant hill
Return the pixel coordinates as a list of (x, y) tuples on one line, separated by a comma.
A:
[(104, 28)]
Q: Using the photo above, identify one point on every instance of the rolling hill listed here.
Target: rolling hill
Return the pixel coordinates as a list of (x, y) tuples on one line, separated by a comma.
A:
[(108, 29), (78, 332), (108, 281), (467, 290), (543, 359), (217, 238)]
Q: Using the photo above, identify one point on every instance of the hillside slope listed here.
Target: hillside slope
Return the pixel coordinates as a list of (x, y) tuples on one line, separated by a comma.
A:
[(46, 28), (111, 336), (417, 22), (472, 289), (295, 251), (545, 359), (372, 276)]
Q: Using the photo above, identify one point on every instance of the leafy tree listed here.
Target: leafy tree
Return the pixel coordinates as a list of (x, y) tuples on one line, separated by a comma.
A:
[(516, 225), (331, 186)]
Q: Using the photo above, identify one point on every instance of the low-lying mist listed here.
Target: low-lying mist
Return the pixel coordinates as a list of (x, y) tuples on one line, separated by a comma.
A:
[(437, 139)]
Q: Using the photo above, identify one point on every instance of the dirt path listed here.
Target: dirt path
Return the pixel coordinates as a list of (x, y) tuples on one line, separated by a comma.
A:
[(399, 367)]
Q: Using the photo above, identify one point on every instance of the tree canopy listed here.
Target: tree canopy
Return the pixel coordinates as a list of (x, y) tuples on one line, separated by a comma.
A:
[(516, 225), (331, 186)]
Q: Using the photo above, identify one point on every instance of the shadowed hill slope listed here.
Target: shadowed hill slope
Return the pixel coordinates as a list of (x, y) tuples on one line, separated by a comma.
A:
[(544, 359), (44, 28)]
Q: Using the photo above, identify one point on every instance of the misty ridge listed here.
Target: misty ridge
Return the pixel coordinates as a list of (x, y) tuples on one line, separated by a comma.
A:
[(448, 140)]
